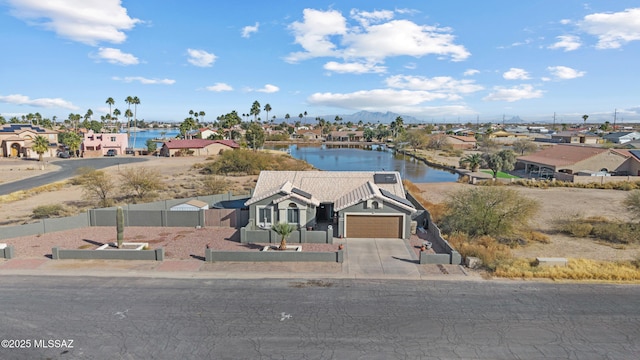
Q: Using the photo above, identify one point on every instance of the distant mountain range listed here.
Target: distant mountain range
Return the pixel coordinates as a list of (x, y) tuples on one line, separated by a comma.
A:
[(372, 117)]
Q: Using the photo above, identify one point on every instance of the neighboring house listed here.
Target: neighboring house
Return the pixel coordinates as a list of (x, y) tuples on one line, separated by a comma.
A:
[(504, 137), (632, 165), (309, 134), (196, 147), (16, 140), (97, 144), (358, 204), (571, 159), (622, 137), (574, 137), (461, 142), (191, 205), (346, 136)]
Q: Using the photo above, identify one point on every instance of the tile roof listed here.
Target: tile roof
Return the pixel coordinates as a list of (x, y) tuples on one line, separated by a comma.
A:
[(343, 188), (464, 138), (560, 155)]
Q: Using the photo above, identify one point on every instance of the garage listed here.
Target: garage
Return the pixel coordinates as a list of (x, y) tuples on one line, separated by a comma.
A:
[(369, 226)]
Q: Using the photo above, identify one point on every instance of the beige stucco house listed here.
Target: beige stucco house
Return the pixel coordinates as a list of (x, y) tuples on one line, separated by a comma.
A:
[(16, 140)]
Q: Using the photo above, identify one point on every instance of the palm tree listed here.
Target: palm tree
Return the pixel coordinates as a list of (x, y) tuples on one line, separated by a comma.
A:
[(110, 101), (135, 101), (129, 101), (284, 230), (474, 161), (202, 114), (40, 146), (585, 117), (267, 108), (305, 117), (255, 110), (116, 113)]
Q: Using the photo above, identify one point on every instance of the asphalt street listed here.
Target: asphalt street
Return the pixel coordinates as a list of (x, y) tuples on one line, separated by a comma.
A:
[(67, 169), (142, 318)]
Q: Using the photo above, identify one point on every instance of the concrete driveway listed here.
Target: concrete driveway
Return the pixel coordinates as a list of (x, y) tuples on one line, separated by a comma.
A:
[(373, 258)]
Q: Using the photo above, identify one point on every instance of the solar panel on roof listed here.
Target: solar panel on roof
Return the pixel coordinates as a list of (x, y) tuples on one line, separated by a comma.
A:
[(301, 193), (389, 195), (388, 178), (635, 153)]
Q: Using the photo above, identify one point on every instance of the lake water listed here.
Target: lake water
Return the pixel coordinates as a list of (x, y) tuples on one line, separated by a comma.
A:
[(374, 158), (141, 136)]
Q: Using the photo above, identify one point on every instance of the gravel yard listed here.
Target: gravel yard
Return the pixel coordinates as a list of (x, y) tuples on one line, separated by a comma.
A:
[(179, 243)]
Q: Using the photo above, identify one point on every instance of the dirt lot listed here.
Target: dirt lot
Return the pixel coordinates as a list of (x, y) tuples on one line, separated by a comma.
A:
[(557, 204)]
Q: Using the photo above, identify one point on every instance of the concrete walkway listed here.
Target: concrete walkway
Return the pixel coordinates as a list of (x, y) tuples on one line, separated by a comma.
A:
[(377, 258)]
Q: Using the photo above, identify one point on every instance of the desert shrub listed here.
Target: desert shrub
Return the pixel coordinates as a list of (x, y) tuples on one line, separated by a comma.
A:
[(577, 269), (246, 162), (486, 248), (215, 185), (536, 236), (47, 211), (576, 228), (494, 211), (620, 233), (141, 182), (97, 185), (632, 202)]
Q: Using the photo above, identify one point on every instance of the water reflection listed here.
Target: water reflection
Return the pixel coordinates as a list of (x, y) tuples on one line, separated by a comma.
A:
[(369, 158)]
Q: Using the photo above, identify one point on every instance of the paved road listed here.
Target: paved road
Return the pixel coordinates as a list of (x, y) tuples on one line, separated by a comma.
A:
[(67, 169), (136, 318)]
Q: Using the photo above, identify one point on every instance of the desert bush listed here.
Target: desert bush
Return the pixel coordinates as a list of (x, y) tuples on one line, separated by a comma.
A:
[(632, 202), (97, 185), (246, 162), (536, 236), (619, 233), (494, 211), (47, 211), (141, 182), (577, 269), (215, 185), (485, 248), (576, 228)]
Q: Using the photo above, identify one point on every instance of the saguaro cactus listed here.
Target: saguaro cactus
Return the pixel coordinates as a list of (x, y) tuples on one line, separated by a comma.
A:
[(120, 225)]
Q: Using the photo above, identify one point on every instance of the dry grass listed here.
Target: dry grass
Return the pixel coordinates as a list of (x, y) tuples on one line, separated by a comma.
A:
[(437, 211), (577, 269), (24, 194)]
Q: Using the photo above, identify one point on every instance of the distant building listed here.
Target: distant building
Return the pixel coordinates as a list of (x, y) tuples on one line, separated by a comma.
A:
[(622, 137), (16, 140), (97, 144), (196, 147)]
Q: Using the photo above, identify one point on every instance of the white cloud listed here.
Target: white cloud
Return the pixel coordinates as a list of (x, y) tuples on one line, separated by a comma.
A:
[(85, 21), (471, 72), (219, 87), (248, 30), (567, 42), (411, 66), (354, 68), (374, 99), (613, 29), (516, 74), (200, 58), (442, 84), (268, 89), (115, 56), (19, 99), (564, 72), (327, 34), (145, 81), (512, 94)]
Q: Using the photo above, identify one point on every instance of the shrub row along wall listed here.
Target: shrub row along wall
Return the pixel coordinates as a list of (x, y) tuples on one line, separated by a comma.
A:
[(269, 256), (116, 254)]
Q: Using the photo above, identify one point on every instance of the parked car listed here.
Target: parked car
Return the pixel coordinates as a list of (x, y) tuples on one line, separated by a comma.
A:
[(111, 152), (64, 154)]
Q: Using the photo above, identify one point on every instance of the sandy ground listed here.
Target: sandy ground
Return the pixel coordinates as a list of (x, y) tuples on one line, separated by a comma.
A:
[(557, 204), (182, 181)]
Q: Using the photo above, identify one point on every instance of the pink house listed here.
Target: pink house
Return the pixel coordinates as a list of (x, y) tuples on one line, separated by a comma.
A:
[(94, 145)]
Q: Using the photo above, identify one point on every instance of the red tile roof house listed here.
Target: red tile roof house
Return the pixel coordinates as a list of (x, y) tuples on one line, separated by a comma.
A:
[(196, 147), (571, 159), (357, 204)]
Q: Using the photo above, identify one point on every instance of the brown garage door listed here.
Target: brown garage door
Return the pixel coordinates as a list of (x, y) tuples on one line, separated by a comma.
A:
[(367, 226)]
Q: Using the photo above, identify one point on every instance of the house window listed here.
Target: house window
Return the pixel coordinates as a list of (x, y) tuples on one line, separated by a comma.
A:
[(375, 205), (293, 214), (265, 216), (113, 139)]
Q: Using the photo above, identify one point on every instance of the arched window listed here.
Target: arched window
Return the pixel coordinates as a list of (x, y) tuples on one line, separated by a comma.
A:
[(375, 205)]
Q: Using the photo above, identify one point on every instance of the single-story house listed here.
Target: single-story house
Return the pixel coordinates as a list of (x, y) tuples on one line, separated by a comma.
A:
[(622, 137), (574, 137), (196, 147), (16, 140), (461, 142), (356, 204), (191, 205), (355, 135), (571, 159), (97, 144)]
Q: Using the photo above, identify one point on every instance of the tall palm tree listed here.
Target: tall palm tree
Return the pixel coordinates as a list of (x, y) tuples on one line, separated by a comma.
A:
[(305, 117), (110, 102), (255, 110), (129, 101), (40, 146), (116, 113), (202, 114), (585, 117), (135, 102), (267, 108)]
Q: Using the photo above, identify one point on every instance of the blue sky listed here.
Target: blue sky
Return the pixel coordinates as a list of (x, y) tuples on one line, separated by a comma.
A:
[(443, 61)]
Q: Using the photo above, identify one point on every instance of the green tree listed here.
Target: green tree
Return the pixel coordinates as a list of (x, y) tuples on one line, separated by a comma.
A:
[(128, 114), (255, 136), (72, 140), (504, 160), (524, 146), (584, 118), (135, 101), (97, 185), (187, 125), (284, 230), (255, 110), (151, 145), (632, 202), (141, 182), (416, 139), (40, 146), (267, 108), (473, 161), (488, 210)]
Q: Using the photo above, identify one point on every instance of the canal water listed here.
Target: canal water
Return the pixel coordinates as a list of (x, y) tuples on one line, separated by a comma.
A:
[(371, 158)]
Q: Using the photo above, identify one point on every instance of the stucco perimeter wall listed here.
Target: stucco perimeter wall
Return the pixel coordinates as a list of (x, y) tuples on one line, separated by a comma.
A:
[(120, 254), (44, 226), (7, 252), (270, 256), (297, 237)]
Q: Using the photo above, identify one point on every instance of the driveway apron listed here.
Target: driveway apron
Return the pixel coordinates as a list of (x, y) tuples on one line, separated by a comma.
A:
[(372, 258)]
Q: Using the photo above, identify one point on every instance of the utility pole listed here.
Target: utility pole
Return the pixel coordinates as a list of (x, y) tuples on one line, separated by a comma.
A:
[(615, 114), (554, 121)]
